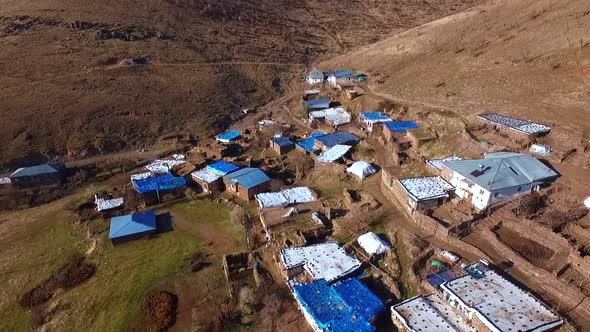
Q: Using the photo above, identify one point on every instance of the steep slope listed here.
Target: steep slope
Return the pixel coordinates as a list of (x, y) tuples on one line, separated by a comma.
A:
[(62, 94), (528, 58)]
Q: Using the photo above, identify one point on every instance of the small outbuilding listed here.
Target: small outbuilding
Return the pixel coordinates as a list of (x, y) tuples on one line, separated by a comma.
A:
[(372, 244), (361, 169), (39, 175), (325, 142), (334, 154), (540, 149), (308, 144), (342, 77), (247, 182), (425, 192), (316, 76), (151, 189), (316, 104), (132, 226), (333, 116), (281, 145), (373, 120), (397, 128), (228, 136)]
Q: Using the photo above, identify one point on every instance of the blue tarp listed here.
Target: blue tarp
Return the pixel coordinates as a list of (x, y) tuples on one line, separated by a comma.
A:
[(338, 138), (282, 141), (309, 143), (248, 177), (228, 136), (436, 279), (375, 116), (164, 182), (223, 167), (318, 103), (345, 306), (132, 224), (401, 126)]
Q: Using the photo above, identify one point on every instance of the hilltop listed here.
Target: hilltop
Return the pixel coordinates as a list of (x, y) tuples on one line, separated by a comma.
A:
[(64, 94), (526, 58)]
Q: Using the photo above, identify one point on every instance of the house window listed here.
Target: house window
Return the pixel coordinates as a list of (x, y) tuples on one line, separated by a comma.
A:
[(519, 189), (496, 195), (481, 191)]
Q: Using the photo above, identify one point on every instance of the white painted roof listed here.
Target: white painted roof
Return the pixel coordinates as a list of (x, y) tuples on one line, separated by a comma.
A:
[(425, 188), (337, 116), (524, 126), (362, 169), (372, 244), (326, 261), (161, 166), (430, 313), (437, 163), (334, 153), (206, 174), (500, 302), (540, 149), (587, 202), (141, 176), (294, 195), (107, 204), (450, 256)]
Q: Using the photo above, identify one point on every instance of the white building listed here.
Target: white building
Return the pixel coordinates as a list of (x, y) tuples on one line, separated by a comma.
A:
[(481, 300), (499, 177), (316, 76)]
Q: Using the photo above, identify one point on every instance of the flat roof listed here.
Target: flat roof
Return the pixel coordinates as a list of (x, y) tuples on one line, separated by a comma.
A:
[(228, 136), (438, 163), (206, 174), (294, 195), (523, 126), (425, 188), (163, 166), (500, 302), (339, 137), (430, 313), (375, 117), (326, 261), (334, 153)]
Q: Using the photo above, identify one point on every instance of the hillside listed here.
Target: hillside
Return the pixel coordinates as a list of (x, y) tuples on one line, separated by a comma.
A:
[(528, 58), (63, 94)]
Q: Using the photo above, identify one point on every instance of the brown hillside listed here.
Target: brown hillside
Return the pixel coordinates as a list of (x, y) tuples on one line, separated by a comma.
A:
[(529, 58), (63, 94)]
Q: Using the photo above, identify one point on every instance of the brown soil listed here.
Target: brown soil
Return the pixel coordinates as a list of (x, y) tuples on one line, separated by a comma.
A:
[(534, 252), (74, 272), (206, 60), (159, 310)]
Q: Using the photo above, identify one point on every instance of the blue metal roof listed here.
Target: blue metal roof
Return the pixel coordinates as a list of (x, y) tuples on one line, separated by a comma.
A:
[(375, 116), (344, 306), (164, 182), (338, 138), (132, 224), (37, 170), (318, 103), (342, 73), (282, 141), (248, 177), (223, 167), (436, 279), (401, 126), (308, 144), (228, 136)]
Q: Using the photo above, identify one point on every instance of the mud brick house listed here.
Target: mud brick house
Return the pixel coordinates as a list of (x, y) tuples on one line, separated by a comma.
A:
[(281, 145), (316, 104), (497, 178), (332, 116), (153, 188), (328, 141), (210, 177), (397, 129), (40, 175), (510, 125), (246, 183), (480, 300), (422, 193)]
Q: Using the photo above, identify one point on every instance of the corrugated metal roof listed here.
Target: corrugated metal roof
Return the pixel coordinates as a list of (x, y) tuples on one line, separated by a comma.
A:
[(375, 116), (37, 170), (132, 224), (282, 141), (309, 143), (318, 103), (248, 177), (401, 126), (223, 167), (338, 73), (333, 154), (338, 138), (502, 170), (228, 136)]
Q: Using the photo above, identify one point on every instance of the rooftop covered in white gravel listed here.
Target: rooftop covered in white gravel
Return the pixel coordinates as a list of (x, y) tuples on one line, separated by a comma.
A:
[(206, 174), (326, 261), (426, 188), (334, 153), (286, 197), (161, 166), (372, 244), (107, 204)]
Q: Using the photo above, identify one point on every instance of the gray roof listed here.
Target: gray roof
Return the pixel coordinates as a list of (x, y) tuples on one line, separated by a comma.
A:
[(502, 170), (37, 170)]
